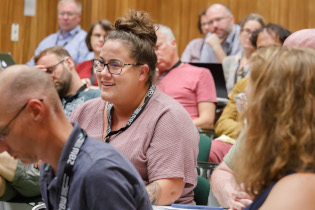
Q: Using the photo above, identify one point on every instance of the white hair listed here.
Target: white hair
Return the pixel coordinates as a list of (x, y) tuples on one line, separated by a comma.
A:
[(79, 5), (166, 31)]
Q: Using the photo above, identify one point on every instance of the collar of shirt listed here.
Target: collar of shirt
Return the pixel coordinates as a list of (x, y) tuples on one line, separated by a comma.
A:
[(68, 34), (231, 36)]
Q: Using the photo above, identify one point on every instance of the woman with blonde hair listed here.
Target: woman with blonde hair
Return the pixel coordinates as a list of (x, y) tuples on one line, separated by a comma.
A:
[(276, 160)]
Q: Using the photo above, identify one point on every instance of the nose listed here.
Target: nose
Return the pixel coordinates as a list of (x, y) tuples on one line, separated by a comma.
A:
[(105, 72), (215, 24), (52, 75), (102, 39)]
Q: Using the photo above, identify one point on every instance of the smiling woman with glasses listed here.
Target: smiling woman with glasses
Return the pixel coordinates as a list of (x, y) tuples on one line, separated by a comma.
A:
[(151, 129)]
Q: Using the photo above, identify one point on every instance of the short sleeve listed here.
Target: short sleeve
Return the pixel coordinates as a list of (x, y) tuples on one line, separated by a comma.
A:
[(229, 158), (206, 91), (114, 186), (174, 148)]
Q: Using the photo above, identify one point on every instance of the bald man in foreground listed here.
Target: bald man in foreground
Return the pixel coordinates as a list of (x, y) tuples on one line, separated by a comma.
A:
[(222, 180), (78, 172)]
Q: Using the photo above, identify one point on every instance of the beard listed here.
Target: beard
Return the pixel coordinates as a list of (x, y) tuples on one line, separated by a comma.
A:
[(65, 83)]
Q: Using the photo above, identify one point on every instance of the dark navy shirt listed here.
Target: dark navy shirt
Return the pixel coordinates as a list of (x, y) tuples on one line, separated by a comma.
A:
[(260, 199), (102, 179)]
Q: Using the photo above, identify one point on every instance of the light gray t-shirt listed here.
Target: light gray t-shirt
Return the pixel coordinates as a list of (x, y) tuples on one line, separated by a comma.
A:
[(229, 158)]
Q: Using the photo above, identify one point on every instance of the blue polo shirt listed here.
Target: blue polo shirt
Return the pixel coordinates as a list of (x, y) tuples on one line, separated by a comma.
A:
[(102, 179)]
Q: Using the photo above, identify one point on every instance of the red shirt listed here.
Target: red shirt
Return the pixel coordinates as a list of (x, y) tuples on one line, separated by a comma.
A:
[(84, 70)]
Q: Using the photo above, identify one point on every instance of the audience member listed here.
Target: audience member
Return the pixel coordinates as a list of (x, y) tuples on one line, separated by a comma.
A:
[(78, 172), (57, 62), (223, 39), (228, 127), (94, 40), (271, 34), (302, 38), (191, 86), (135, 117), (17, 179), (193, 49), (222, 179), (235, 66), (70, 34), (280, 103)]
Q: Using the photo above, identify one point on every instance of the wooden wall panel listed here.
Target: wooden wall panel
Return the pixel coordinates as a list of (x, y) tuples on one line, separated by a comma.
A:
[(180, 15)]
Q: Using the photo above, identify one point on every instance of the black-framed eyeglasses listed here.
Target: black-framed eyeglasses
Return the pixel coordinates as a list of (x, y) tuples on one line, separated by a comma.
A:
[(4, 132), (51, 69), (114, 67)]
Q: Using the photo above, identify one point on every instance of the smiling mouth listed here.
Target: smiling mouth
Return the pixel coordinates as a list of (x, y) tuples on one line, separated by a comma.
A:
[(108, 84)]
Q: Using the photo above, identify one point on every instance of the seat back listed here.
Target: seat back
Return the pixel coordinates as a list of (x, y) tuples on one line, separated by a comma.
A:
[(201, 191), (204, 148)]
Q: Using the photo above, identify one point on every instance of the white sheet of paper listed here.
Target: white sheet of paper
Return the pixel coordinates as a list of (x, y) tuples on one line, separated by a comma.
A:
[(29, 7)]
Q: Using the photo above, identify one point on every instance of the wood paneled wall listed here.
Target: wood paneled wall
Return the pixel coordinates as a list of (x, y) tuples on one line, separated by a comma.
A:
[(180, 15)]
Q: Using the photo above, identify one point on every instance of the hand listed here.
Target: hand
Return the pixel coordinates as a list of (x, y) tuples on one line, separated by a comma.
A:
[(214, 41), (86, 81), (239, 200), (37, 165), (41, 67)]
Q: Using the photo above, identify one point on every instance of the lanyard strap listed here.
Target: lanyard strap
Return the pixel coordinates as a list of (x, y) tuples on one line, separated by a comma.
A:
[(166, 72), (69, 40), (133, 117), (92, 76), (67, 173), (70, 98)]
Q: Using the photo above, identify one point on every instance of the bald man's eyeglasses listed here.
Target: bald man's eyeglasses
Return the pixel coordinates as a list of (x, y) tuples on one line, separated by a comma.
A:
[(218, 20), (4, 132)]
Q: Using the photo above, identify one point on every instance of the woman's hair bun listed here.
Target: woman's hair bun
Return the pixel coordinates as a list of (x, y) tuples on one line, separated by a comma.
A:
[(138, 23)]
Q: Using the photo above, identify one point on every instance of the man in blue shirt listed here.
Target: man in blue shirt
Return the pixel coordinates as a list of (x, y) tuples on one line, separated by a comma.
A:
[(15, 177), (78, 172), (223, 38), (70, 35)]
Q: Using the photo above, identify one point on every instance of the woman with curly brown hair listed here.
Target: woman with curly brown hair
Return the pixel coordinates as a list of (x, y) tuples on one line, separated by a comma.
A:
[(150, 128), (276, 160)]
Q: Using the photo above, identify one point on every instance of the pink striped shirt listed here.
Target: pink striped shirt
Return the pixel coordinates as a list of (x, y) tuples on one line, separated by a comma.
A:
[(161, 143)]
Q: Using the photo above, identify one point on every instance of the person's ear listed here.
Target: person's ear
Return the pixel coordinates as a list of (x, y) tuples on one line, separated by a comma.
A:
[(174, 43), (144, 70), (70, 63), (79, 17), (232, 19), (37, 109)]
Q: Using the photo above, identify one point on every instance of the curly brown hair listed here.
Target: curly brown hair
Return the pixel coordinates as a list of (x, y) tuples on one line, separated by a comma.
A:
[(280, 118), (137, 31)]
